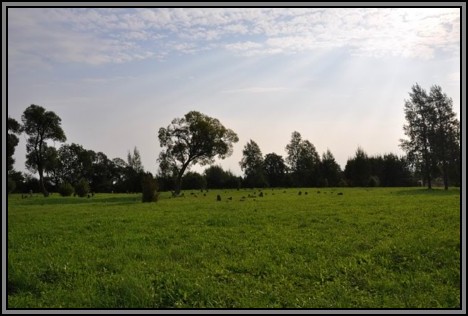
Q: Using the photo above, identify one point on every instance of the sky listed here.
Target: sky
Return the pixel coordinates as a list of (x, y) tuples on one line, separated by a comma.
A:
[(338, 76)]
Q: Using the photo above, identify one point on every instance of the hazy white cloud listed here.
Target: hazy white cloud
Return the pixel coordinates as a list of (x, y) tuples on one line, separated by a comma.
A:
[(257, 90), (326, 88), (243, 46), (104, 80), (115, 35)]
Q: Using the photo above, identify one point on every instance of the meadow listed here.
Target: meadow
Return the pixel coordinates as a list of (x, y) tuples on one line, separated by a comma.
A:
[(367, 248)]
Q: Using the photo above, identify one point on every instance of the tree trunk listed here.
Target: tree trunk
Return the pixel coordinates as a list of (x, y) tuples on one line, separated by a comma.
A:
[(428, 173), (445, 171), (41, 182), (178, 183)]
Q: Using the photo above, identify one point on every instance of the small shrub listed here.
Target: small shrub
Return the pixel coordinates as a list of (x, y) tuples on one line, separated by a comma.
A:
[(82, 188), (66, 189), (149, 188)]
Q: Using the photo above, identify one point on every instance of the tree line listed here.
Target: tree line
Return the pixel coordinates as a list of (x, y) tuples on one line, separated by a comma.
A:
[(432, 147)]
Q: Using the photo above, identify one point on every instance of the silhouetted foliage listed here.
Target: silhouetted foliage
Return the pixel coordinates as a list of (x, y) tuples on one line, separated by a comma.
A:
[(419, 114), (66, 189), (193, 181), (134, 161), (445, 136), (18, 179), (217, 178), (11, 185), (13, 128), (149, 188), (133, 172), (330, 171), (82, 188), (275, 170), (303, 161), (40, 125), (194, 139), (387, 171), (104, 174), (252, 165), (73, 164), (12, 141), (358, 169), (433, 144), (395, 172), (31, 184)]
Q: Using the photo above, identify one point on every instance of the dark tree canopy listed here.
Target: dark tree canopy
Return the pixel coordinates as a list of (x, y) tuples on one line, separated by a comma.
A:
[(275, 169), (40, 125), (193, 181), (252, 165), (330, 171), (134, 161), (303, 161), (252, 159), (358, 170), (13, 128), (445, 136), (133, 172), (432, 145), (217, 178), (418, 113), (194, 139)]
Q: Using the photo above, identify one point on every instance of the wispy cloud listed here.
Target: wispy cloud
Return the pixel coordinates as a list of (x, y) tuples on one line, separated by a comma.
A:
[(257, 90), (116, 35), (104, 80)]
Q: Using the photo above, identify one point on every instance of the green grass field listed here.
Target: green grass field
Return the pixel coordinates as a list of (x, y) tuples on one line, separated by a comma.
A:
[(367, 248)]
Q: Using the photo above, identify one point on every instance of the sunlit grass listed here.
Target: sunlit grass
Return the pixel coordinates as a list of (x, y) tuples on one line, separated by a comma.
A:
[(367, 248)]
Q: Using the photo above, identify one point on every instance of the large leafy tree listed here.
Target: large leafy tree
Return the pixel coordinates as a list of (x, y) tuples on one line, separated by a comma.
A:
[(445, 136), (134, 172), (217, 178), (419, 117), (134, 161), (275, 169), (75, 163), (51, 165), (103, 174), (13, 128), (119, 168), (252, 165), (40, 125), (358, 169), (303, 161), (395, 171), (433, 145), (330, 171), (193, 139)]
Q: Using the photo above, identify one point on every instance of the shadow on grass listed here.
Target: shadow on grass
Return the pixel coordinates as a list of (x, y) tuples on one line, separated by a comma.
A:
[(431, 192)]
